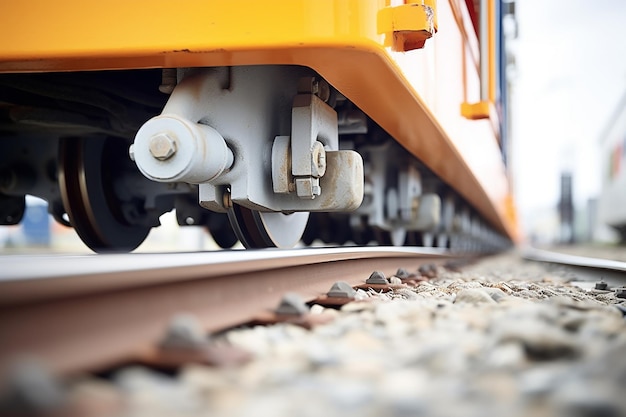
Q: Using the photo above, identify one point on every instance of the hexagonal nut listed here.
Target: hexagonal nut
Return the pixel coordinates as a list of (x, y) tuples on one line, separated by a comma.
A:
[(162, 146), (308, 188)]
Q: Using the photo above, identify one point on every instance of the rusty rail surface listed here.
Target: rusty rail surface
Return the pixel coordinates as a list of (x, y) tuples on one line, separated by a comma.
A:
[(90, 312)]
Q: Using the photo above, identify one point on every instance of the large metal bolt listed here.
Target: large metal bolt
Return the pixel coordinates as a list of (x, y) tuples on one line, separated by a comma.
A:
[(428, 270), (377, 277), (292, 305), (403, 273), (162, 146), (318, 160), (601, 285), (341, 289), (185, 331)]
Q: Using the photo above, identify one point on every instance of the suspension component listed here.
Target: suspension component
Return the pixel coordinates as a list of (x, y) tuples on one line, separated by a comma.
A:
[(170, 148), (214, 133)]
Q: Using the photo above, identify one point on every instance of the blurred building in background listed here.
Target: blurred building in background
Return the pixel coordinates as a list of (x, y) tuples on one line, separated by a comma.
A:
[(566, 210)]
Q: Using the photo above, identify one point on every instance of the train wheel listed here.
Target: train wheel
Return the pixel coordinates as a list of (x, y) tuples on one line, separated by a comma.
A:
[(256, 229), (11, 209), (362, 236), (86, 185), (395, 237), (220, 230)]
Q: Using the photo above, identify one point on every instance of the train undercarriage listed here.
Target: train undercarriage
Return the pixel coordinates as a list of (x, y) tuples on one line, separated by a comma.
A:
[(267, 155)]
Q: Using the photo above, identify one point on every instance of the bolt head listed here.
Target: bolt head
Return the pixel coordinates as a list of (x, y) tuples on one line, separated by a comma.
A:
[(428, 270), (403, 273), (162, 146), (341, 289), (318, 160), (377, 277), (292, 305)]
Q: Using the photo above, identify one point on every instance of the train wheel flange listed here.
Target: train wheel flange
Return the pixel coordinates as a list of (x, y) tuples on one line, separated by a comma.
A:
[(221, 231), (256, 229)]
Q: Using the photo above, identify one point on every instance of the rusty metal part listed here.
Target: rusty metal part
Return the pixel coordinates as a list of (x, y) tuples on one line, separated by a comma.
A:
[(308, 321), (381, 287), (332, 302), (91, 312), (212, 354)]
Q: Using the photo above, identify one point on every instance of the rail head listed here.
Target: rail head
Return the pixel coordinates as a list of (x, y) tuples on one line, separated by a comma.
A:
[(540, 255), (29, 278)]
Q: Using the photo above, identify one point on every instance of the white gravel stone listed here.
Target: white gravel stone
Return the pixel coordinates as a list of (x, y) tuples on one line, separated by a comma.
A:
[(495, 293), (473, 295), (395, 280)]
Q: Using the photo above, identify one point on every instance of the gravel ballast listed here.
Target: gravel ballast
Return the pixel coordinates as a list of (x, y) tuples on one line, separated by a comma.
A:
[(503, 337)]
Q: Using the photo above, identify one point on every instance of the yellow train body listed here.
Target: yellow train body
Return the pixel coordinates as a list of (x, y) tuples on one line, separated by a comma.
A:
[(427, 99)]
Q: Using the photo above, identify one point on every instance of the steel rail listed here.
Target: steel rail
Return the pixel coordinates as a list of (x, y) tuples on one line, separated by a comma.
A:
[(90, 312), (573, 260), (586, 268)]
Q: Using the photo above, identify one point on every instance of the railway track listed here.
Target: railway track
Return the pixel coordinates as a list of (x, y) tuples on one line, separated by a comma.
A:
[(90, 312), (588, 270), (500, 334)]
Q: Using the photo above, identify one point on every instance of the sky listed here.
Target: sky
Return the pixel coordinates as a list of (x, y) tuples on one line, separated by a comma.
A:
[(570, 75)]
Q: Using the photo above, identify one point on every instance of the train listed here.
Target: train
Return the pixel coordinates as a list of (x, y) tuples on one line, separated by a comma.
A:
[(612, 198), (269, 122)]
